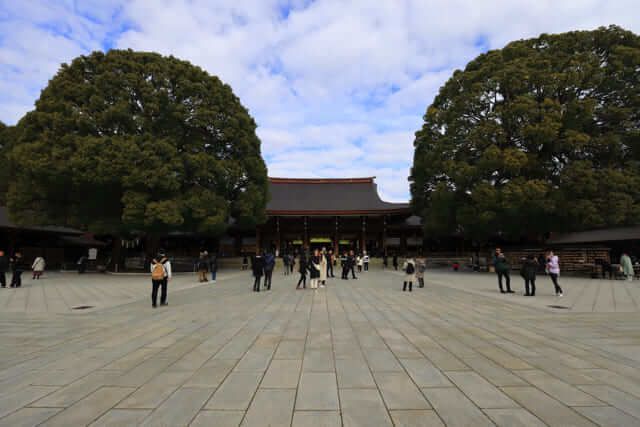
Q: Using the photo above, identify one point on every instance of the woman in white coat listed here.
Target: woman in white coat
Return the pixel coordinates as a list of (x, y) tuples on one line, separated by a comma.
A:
[(409, 268), (323, 268), (38, 267)]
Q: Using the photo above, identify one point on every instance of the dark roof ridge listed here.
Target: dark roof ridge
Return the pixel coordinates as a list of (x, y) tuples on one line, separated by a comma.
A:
[(359, 180)]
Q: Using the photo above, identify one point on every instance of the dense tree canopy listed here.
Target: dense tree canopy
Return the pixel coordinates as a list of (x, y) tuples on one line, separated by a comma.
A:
[(542, 135), (129, 141)]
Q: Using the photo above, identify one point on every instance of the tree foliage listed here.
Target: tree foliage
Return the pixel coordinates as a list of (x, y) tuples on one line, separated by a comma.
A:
[(542, 135), (130, 141)]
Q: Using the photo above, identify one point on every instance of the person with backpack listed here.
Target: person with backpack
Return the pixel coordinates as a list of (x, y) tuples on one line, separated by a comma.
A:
[(409, 268), (528, 272), (269, 265), (160, 276), (38, 267)]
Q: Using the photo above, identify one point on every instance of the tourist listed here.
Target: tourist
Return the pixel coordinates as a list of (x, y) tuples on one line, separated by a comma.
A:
[(257, 267), (203, 267), (365, 261), (285, 262), (409, 268), (351, 262), (245, 262), (292, 263), (528, 273), (344, 259), (385, 261), (213, 266), (160, 276), (82, 264), (553, 268), (627, 266), (421, 267), (302, 266), (359, 263), (38, 267), (323, 268), (395, 262), (314, 269), (4, 266), (501, 265), (269, 265), (18, 267), (330, 262)]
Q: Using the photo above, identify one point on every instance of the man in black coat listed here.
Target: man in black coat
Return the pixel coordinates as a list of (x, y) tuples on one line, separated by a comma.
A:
[(18, 267), (4, 266), (352, 264), (269, 265), (302, 265), (258, 270)]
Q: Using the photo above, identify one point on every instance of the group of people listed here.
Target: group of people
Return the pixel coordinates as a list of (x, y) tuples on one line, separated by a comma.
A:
[(414, 270), (17, 265), (206, 264), (528, 270), (263, 265)]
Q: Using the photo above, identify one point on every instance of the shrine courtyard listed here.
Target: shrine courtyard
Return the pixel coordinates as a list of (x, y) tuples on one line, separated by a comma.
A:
[(90, 350)]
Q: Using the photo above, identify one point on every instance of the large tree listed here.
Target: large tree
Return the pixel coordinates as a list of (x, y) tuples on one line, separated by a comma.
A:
[(137, 142), (542, 135)]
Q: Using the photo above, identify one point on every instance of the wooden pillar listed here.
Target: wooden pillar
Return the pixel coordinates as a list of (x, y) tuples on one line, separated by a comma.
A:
[(383, 245), (336, 239), (305, 240), (278, 241), (363, 235), (258, 235)]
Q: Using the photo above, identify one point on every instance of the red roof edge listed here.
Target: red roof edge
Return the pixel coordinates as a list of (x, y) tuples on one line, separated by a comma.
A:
[(365, 180)]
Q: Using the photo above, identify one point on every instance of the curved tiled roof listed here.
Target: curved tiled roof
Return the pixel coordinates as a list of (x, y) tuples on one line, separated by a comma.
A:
[(328, 196)]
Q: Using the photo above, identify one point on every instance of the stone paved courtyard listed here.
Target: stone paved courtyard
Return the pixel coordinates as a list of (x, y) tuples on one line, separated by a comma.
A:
[(358, 353)]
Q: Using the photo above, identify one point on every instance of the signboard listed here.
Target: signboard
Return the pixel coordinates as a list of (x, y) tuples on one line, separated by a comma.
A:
[(93, 254), (320, 240)]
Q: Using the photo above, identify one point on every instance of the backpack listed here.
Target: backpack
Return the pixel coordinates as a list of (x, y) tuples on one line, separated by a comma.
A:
[(410, 268), (158, 271)]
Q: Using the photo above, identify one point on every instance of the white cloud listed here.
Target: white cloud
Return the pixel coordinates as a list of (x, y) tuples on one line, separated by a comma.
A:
[(337, 88)]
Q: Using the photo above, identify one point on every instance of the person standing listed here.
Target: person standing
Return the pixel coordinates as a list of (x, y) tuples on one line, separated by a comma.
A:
[(627, 266), (359, 263), (502, 267), (421, 267), (344, 263), (409, 268), (314, 269), (385, 261), (213, 267), (160, 275), (245, 262), (553, 266), (257, 267), (351, 261), (82, 264), (365, 261), (302, 268), (395, 262), (18, 268), (203, 267), (38, 267), (285, 261), (528, 273), (323, 268), (4, 266), (330, 262), (269, 265)]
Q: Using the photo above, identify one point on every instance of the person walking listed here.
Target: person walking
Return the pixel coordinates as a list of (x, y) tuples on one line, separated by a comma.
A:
[(82, 264), (257, 267), (365, 261), (269, 265), (395, 262), (351, 261), (285, 262), (38, 267), (344, 263), (421, 267), (302, 268), (409, 268), (160, 275), (203, 267), (4, 266), (528, 272), (502, 268), (314, 269), (330, 261), (323, 268), (553, 267), (213, 267), (627, 266), (18, 267), (359, 263), (245, 262), (385, 261)]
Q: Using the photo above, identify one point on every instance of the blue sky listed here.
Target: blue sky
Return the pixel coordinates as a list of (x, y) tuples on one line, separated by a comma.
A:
[(337, 87)]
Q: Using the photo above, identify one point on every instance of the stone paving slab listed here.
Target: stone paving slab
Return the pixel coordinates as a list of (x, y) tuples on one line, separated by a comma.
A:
[(455, 353)]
